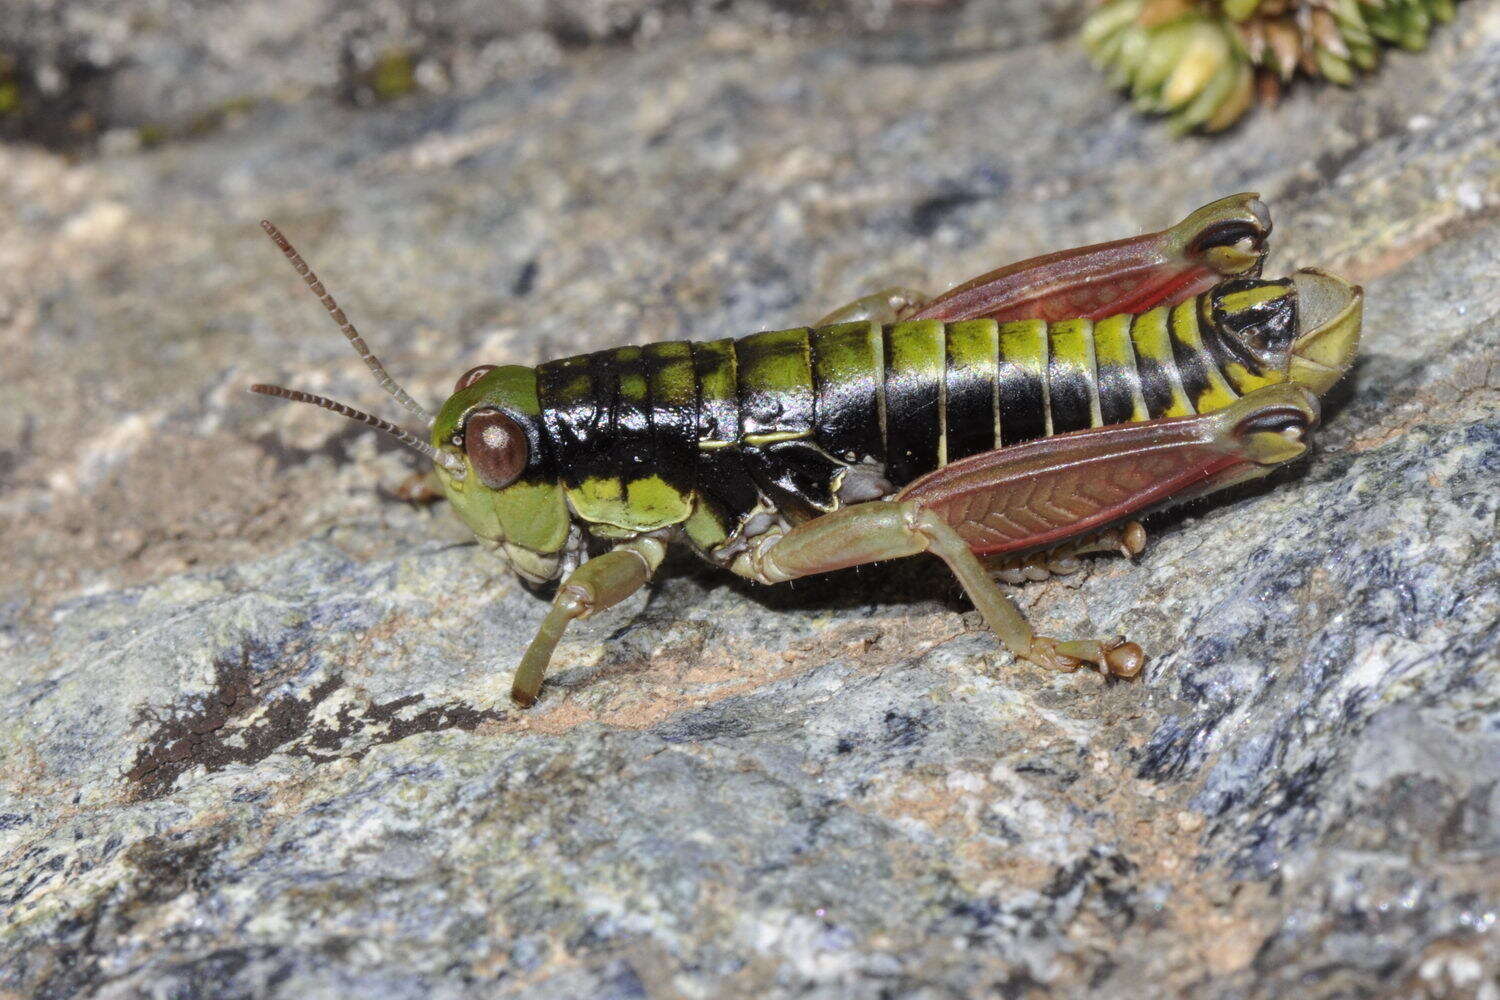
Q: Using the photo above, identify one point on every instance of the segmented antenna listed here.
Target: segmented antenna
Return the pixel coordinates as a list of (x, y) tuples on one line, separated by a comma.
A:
[(345, 327), (450, 462)]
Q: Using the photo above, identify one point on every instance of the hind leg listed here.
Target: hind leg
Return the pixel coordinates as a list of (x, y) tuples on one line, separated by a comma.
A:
[(879, 530)]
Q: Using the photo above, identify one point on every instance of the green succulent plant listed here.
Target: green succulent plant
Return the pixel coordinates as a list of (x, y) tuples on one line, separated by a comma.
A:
[(1205, 62)]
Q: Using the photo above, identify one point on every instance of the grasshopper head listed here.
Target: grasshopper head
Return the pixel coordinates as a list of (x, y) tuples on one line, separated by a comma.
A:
[(1303, 329), (485, 445), (495, 474)]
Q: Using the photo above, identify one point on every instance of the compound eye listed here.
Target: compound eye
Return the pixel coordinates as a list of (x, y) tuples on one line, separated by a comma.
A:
[(1230, 247), (471, 376), (496, 446)]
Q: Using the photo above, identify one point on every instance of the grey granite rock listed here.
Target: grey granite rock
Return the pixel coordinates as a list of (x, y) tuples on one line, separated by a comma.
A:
[(254, 738), (129, 73)]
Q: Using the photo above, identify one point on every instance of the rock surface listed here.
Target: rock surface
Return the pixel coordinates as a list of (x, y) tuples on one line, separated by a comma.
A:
[(253, 732)]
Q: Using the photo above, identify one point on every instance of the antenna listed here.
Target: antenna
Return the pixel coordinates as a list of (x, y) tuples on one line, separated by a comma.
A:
[(345, 327), (450, 462)]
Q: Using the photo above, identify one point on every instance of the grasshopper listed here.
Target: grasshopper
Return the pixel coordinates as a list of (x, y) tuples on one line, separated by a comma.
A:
[(1020, 420)]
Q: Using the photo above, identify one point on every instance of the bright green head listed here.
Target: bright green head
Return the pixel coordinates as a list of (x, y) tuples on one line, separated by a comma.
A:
[(486, 445), (493, 472)]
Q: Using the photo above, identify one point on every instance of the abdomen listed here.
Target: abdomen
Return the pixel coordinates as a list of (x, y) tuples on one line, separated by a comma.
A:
[(915, 396), (711, 433)]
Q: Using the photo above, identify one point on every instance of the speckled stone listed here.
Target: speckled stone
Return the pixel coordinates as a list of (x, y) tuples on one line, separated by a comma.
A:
[(254, 739)]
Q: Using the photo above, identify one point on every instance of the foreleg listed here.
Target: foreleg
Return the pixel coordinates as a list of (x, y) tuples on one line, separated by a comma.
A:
[(600, 583)]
